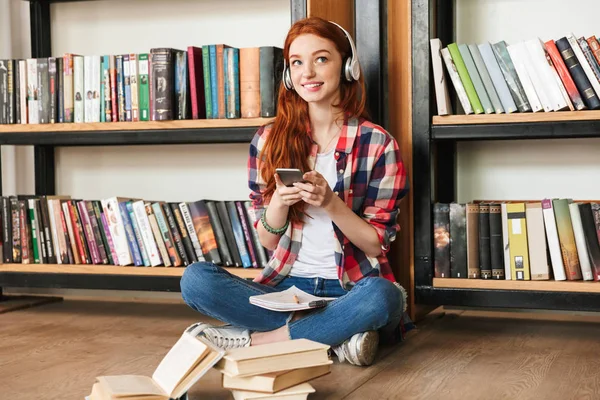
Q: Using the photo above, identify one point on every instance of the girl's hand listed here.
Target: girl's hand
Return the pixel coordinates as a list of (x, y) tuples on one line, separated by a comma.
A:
[(287, 195), (317, 192)]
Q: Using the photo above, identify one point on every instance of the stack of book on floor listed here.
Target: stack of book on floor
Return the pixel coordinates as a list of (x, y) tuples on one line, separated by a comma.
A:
[(274, 371)]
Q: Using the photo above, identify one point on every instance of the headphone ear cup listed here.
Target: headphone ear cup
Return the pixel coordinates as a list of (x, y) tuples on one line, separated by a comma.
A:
[(348, 70), (287, 79)]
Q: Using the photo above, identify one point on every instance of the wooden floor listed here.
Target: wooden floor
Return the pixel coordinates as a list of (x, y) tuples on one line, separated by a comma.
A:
[(55, 351)]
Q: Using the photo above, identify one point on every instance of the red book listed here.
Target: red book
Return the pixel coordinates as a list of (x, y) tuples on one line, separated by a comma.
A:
[(564, 74), (196, 73)]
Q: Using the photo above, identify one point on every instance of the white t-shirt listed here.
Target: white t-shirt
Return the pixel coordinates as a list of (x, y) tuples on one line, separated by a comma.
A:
[(316, 256)]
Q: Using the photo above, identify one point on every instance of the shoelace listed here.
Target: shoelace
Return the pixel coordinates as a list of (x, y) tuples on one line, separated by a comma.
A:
[(227, 343)]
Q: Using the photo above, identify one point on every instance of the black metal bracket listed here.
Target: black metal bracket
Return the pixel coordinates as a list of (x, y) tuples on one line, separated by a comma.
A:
[(298, 9)]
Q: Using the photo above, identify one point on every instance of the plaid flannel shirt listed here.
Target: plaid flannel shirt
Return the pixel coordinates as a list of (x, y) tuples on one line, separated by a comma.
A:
[(371, 180)]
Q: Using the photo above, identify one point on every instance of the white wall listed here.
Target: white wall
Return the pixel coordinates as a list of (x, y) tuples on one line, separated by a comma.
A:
[(171, 173), (531, 169)]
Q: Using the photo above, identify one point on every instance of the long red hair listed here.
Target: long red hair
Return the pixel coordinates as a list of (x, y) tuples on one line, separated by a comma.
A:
[(288, 143)]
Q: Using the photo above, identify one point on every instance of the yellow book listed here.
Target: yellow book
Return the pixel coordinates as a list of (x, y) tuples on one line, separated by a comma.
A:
[(517, 237)]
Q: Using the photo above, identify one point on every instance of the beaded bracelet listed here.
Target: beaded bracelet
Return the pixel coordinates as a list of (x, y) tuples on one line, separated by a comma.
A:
[(270, 229)]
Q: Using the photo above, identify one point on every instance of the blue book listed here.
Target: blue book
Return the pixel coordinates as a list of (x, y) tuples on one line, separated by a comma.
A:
[(131, 241), (214, 86), (238, 234), (138, 234), (231, 66)]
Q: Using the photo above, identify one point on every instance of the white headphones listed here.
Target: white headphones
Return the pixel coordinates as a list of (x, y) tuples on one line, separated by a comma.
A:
[(350, 67)]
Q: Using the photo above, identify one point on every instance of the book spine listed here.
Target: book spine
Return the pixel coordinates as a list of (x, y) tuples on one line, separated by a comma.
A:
[(458, 240), (78, 87), (181, 86), (456, 82), (160, 244), (78, 233), (23, 89), (68, 94), (95, 229), (465, 78), (510, 76), (120, 87), (207, 81), (60, 89), (518, 57), (11, 92), (485, 261), (137, 234), (486, 79), (114, 258), (238, 234), (16, 230), (496, 255), (441, 240), (486, 103), (250, 82), (591, 239), (247, 234), (44, 91), (517, 236), (566, 238), (228, 231), (144, 93), (189, 224), (134, 83), (261, 253), (177, 239), (582, 252), (88, 232), (167, 237), (114, 84), (442, 95), (34, 232), (536, 242), (52, 91), (130, 235), (25, 232), (162, 84), (146, 234), (185, 238), (116, 227), (472, 212)]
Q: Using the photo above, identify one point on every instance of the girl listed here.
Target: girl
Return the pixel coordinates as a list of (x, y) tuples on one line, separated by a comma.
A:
[(329, 233)]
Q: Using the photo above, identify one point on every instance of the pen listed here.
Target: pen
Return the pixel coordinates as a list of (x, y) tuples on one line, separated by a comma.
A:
[(296, 299)]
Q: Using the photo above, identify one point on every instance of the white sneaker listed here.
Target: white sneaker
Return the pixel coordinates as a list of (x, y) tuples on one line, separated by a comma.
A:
[(225, 337), (360, 349)]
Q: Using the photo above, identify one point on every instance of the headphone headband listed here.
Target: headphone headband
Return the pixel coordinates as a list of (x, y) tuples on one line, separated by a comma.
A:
[(350, 69)]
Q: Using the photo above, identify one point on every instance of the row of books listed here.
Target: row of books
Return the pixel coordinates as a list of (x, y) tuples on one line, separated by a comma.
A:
[(512, 240), (212, 81), (121, 231), (528, 76)]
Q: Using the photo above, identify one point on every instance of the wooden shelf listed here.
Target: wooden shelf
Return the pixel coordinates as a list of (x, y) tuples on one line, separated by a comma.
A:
[(239, 130), (246, 273), (544, 286), (541, 125), (131, 126), (516, 117)]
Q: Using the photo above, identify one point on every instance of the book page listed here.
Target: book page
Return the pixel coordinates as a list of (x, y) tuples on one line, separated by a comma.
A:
[(179, 361), (129, 385), (285, 301)]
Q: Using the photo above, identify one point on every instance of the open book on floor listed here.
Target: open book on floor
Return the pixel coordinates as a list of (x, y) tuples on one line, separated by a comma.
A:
[(185, 363), (292, 299)]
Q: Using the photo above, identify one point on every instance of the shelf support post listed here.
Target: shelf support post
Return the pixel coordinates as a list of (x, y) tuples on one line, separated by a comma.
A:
[(41, 47)]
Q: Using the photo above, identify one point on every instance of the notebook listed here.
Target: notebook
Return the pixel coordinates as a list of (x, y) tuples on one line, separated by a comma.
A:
[(292, 299)]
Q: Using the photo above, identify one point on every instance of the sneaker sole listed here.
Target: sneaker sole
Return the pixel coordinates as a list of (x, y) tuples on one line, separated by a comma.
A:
[(366, 348)]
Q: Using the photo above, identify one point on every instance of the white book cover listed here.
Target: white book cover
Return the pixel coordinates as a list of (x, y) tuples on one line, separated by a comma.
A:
[(491, 63), (553, 244), (68, 95), (32, 92), (536, 240), (117, 230), (519, 63), (146, 232), (23, 89), (584, 259), (458, 85), (540, 59), (535, 72), (291, 299), (442, 96), (133, 81), (96, 80), (54, 230), (584, 63), (78, 88), (504, 212)]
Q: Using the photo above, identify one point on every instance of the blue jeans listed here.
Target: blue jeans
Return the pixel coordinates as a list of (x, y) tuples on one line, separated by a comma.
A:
[(374, 303)]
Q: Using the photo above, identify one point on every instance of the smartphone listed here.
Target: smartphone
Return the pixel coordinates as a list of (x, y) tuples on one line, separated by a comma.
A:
[(290, 175)]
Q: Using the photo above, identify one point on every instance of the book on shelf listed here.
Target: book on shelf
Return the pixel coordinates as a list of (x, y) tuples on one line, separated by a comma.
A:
[(549, 239), (184, 364), (531, 75), (124, 231)]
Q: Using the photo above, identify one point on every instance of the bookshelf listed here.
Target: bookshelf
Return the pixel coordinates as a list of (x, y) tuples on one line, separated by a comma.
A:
[(435, 141), (354, 15)]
